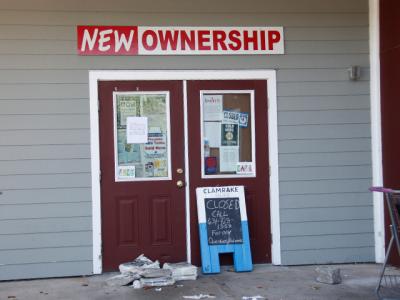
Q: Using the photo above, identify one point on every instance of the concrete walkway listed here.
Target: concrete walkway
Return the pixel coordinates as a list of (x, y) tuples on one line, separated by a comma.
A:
[(266, 281)]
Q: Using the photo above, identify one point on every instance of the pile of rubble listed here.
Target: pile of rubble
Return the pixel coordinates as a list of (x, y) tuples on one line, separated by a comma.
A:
[(143, 272)]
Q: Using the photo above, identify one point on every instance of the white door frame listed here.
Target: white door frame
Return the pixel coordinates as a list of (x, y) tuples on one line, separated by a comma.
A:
[(268, 75), (376, 129)]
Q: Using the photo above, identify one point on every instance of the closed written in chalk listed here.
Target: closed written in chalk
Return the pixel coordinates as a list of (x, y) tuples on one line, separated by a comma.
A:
[(223, 221)]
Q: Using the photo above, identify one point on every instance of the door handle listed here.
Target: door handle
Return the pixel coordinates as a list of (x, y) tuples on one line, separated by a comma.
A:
[(180, 184)]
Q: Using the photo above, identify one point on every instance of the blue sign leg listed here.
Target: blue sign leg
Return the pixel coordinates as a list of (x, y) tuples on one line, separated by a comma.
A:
[(242, 253), (205, 250)]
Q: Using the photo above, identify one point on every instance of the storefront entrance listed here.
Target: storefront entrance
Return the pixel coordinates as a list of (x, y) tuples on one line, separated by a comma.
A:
[(147, 190)]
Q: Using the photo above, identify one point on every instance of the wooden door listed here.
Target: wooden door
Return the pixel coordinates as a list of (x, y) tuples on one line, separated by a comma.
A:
[(143, 209), (227, 144)]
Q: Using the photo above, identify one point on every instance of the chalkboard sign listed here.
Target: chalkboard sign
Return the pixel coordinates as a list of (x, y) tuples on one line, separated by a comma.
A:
[(223, 227), (223, 221)]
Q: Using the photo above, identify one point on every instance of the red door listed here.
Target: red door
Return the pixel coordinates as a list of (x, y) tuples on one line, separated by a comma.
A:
[(143, 209), (218, 144)]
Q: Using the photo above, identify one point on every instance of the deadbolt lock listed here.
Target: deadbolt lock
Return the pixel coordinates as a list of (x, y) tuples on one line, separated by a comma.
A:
[(179, 171)]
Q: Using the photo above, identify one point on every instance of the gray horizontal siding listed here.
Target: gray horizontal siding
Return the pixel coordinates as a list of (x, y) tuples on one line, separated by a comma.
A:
[(43, 137), (302, 159), (327, 256), (318, 75), (16, 182), (331, 241), (46, 240), (44, 107), (44, 77), (317, 214), (311, 186), (59, 195), (45, 210), (323, 117), (324, 173), (10, 122), (13, 17), (343, 88), (43, 91), (325, 145), (317, 103), (324, 125), (326, 200), (327, 228), (323, 131), (257, 6), (40, 152), (42, 255), (82, 76), (46, 269), (74, 62), (45, 225), (21, 165)]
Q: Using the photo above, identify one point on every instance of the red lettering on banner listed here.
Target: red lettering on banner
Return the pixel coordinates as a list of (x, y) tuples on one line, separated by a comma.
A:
[(166, 39), (235, 43), (107, 40), (262, 40), (250, 39), (219, 38), (153, 36), (189, 41), (274, 37), (203, 36)]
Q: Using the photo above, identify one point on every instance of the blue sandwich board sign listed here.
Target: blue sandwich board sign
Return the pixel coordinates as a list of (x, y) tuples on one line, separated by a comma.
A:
[(223, 227)]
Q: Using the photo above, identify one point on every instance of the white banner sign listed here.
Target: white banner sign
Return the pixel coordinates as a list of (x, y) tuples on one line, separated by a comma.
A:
[(175, 40)]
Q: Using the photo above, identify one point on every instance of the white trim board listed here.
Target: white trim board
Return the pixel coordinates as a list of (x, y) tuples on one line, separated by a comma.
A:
[(376, 136), (268, 75)]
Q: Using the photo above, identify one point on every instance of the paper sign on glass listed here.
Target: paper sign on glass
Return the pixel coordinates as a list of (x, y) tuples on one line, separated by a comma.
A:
[(245, 168), (212, 107), (229, 157), (136, 130), (126, 172), (212, 131), (229, 134)]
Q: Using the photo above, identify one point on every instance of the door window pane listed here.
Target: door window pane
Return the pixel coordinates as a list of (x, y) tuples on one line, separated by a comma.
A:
[(141, 136), (228, 148)]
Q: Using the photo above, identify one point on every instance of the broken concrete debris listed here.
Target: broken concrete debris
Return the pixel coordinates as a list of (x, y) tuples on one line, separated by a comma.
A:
[(200, 296), (154, 273), (159, 281), (144, 273), (122, 279), (328, 274), (137, 284), (139, 264), (182, 271)]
